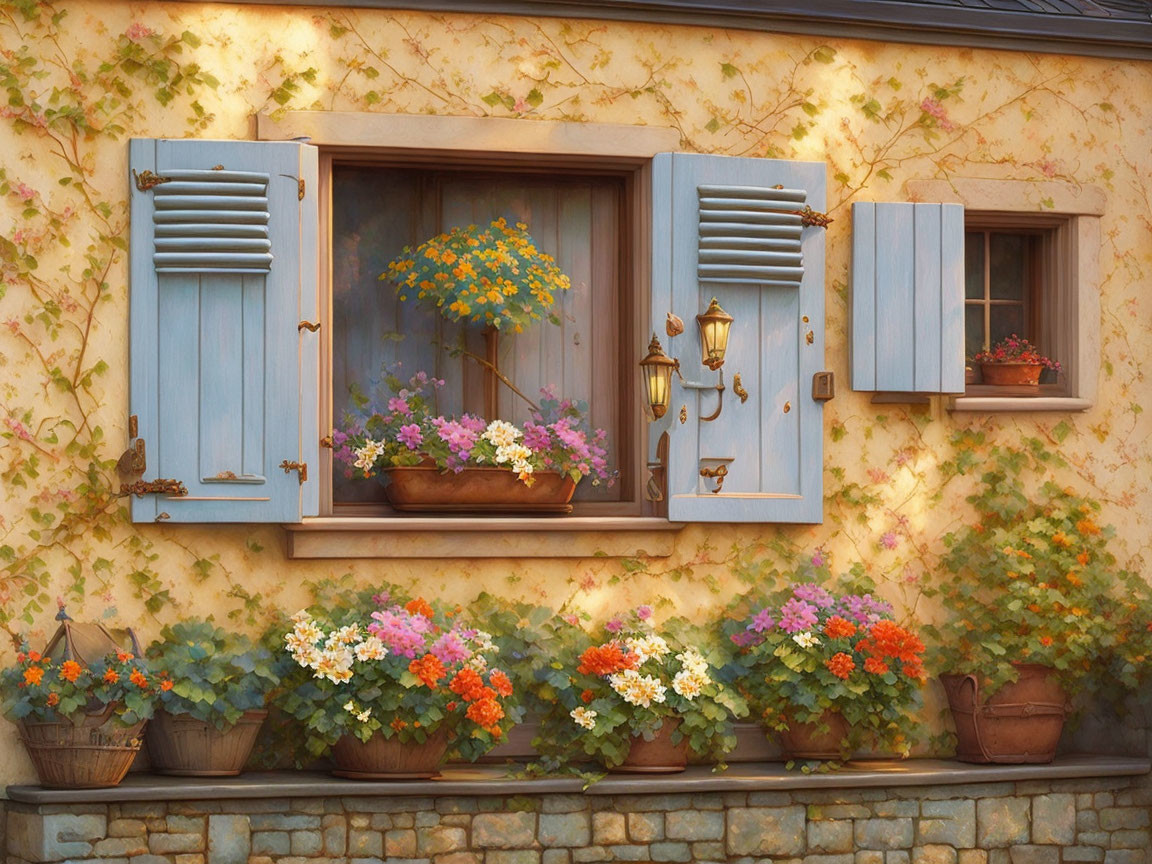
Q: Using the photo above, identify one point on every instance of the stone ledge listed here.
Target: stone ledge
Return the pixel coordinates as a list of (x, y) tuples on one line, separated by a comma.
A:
[(496, 781)]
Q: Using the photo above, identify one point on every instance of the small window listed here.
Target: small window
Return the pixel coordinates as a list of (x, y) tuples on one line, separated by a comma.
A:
[(579, 217), (1017, 281)]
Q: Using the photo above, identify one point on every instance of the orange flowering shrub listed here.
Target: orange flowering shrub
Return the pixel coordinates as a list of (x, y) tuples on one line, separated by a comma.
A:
[(606, 659)]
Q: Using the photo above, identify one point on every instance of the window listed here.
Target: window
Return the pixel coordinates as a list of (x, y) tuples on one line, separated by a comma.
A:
[(1018, 279), (578, 216)]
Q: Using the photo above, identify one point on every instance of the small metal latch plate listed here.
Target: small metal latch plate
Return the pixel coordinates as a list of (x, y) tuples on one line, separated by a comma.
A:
[(823, 386), (301, 469)]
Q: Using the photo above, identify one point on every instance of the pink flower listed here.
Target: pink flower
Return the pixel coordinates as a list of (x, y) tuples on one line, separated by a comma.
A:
[(644, 612), (13, 325), (571, 618), (936, 111), (762, 621), (410, 436), (399, 405), (889, 540), (521, 107), (877, 475), (18, 429), (26, 192), (614, 626), (137, 31), (818, 559)]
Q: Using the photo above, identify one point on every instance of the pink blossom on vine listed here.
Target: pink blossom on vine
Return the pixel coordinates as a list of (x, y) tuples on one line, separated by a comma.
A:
[(137, 31), (13, 325), (520, 107), (1047, 167), (936, 111), (18, 429), (588, 582), (819, 558), (571, 618), (889, 540), (877, 475), (644, 612), (26, 192)]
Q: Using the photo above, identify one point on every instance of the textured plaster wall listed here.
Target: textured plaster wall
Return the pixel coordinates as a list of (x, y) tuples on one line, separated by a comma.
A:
[(82, 77)]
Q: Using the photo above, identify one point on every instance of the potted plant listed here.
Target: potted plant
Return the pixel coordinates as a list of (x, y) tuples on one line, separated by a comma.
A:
[(1013, 361), (389, 688), (80, 724), (432, 462), (208, 720), (1034, 603), (825, 670), (638, 699)]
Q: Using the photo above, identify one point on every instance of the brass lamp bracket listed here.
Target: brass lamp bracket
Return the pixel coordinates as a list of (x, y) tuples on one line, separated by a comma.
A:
[(696, 385)]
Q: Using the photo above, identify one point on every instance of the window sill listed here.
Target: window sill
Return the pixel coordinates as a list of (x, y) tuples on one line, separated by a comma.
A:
[(993, 404), (483, 780), (463, 537)]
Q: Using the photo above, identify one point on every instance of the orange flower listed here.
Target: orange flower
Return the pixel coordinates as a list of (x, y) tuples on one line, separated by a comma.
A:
[(914, 670), (587, 696), (887, 639), (428, 669), (1061, 539), (839, 628), (501, 683), (485, 713), (1087, 526), (111, 676), (1073, 579), (1045, 641), (53, 700), (398, 724), (166, 685), (1083, 558), (123, 656), (1034, 608), (34, 656), (33, 675), (605, 660), (70, 670), (451, 706), (467, 684), (875, 665), (419, 607), (841, 665), (138, 679)]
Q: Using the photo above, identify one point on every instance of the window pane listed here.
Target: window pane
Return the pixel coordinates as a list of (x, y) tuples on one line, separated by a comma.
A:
[(377, 211), (973, 329), (1008, 266), (1005, 321), (974, 266)]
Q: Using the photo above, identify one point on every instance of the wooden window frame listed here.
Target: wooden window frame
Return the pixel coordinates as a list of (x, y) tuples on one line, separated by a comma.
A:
[(627, 451), (484, 143)]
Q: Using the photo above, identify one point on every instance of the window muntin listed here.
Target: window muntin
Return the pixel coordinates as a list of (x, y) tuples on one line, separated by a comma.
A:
[(580, 217)]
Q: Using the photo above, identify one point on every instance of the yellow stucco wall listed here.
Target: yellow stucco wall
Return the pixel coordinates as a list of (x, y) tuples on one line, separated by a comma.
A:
[(82, 77)]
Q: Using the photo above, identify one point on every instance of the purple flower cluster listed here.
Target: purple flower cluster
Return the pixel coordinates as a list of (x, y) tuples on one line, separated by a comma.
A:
[(450, 648), (808, 608), (863, 609), (460, 436), (410, 436), (813, 594), (797, 615), (403, 632)]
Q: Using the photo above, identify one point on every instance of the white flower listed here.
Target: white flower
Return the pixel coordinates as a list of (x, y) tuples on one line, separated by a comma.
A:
[(482, 641), (583, 717), (501, 435), (806, 639), (648, 648), (308, 656), (512, 453), (363, 716), (307, 631), (301, 616), (367, 455), (637, 689), (350, 707), (371, 649), (692, 661), (343, 636), (689, 684), (335, 664)]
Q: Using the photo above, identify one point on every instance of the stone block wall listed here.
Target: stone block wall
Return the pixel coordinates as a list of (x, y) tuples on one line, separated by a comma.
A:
[(1058, 822)]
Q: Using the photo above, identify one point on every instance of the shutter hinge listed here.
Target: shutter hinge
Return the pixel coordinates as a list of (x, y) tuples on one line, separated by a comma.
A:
[(146, 180), (299, 185), (326, 441), (301, 469), (310, 326), (823, 386)]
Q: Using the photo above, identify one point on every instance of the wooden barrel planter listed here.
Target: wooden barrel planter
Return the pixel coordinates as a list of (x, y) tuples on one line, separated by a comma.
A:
[(1020, 723), (187, 747)]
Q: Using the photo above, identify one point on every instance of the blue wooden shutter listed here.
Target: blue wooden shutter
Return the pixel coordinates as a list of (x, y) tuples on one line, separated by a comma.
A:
[(726, 227), (223, 381), (908, 298)]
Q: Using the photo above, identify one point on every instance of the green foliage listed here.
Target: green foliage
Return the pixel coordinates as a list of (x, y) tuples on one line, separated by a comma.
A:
[(217, 674), (1033, 580)]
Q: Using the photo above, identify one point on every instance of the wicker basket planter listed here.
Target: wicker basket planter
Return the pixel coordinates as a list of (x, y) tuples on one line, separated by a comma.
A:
[(92, 754), (185, 746)]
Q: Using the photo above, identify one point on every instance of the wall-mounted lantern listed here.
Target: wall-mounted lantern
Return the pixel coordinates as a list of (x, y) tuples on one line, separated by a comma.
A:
[(657, 368), (714, 326)]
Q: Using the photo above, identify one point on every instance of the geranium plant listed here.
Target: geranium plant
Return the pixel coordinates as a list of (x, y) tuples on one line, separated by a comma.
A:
[(1031, 580), (381, 667), (631, 680), (218, 674), (802, 651), (493, 275), (41, 689), (406, 430), (1016, 350)]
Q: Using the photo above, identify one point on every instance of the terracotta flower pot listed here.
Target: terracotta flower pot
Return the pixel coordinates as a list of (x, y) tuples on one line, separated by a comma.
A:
[(425, 489), (92, 754), (819, 740), (188, 747), (1020, 723), (388, 758), (658, 756), (1011, 373)]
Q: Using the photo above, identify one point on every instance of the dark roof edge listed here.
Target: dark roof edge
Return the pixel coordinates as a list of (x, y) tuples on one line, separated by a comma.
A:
[(887, 20)]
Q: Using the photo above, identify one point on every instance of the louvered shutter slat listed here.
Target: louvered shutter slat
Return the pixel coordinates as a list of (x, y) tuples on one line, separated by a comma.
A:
[(736, 225)]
